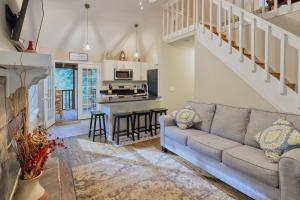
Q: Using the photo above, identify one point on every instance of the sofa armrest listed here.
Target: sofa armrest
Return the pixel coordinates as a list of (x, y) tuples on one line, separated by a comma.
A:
[(289, 175), (164, 121)]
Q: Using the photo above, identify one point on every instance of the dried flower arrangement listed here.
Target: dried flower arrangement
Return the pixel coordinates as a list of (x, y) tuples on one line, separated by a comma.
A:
[(33, 150)]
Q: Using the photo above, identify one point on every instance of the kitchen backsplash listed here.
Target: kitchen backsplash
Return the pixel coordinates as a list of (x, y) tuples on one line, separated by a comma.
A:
[(120, 85)]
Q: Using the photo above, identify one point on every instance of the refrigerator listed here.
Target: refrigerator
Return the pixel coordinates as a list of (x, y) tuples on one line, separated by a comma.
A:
[(152, 81)]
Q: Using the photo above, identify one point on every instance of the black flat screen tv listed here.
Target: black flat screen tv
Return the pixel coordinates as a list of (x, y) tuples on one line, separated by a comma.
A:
[(15, 20), (24, 22)]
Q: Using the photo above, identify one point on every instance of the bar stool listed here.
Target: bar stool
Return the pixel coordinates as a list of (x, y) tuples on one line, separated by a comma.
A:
[(93, 129), (116, 129), (155, 112), (137, 117)]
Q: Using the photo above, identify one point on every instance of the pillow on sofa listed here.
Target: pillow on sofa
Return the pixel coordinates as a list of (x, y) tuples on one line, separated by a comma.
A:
[(278, 138), (186, 117)]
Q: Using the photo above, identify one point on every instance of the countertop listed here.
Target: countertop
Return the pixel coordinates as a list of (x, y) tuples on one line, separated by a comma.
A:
[(110, 100)]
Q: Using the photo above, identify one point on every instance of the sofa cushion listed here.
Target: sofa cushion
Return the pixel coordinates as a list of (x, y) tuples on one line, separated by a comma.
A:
[(230, 122), (210, 145), (205, 112), (181, 135), (252, 162), (295, 119), (259, 121)]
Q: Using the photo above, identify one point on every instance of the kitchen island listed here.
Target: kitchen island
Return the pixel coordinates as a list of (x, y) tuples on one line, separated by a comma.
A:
[(121, 104)]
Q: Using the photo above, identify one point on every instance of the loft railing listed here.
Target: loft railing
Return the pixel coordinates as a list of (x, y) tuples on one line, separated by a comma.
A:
[(183, 16)]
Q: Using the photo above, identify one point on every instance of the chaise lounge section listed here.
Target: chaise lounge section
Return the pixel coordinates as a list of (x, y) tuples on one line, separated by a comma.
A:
[(223, 144)]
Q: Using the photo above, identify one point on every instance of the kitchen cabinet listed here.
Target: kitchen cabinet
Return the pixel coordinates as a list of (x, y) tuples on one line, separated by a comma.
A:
[(108, 70), (123, 64), (136, 67), (144, 68)]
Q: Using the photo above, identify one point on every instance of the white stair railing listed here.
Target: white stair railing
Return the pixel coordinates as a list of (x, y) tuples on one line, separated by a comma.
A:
[(279, 9), (216, 10)]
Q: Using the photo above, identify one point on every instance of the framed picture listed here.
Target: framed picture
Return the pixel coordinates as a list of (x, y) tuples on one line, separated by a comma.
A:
[(73, 56)]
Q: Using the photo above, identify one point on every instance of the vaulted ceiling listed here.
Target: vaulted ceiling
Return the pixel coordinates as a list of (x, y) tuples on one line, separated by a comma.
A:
[(111, 24)]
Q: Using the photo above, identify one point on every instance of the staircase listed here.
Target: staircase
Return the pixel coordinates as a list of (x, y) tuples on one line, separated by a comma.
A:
[(230, 33)]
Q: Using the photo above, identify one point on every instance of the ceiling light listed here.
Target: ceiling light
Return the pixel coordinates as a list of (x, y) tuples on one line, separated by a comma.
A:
[(141, 5), (136, 54), (87, 46)]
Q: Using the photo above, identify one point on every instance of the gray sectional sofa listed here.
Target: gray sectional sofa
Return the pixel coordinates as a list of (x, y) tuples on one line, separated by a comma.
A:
[(223, 144)]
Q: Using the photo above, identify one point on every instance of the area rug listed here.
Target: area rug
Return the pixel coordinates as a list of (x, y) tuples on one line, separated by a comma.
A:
[(142, 173), (124, 140)]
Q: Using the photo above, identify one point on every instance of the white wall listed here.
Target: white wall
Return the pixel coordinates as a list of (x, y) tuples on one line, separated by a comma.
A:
[(4, 40), (176, 69), (216, 83)]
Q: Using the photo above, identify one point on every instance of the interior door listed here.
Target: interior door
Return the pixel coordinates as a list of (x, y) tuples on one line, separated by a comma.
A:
[(49, 99), (88, 89)]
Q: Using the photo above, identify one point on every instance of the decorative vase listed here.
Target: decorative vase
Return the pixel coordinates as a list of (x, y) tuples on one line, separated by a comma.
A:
[(29, 189), (30, 47)]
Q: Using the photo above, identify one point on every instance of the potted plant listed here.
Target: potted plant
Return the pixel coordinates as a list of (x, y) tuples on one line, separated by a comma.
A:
[(32, 152)]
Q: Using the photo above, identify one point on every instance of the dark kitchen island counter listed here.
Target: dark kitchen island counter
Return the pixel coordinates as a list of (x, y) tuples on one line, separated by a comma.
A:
[(110, 100), (126, 104)]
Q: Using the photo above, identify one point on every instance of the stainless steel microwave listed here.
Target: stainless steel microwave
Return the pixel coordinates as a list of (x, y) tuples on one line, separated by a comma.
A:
[(123, 74)]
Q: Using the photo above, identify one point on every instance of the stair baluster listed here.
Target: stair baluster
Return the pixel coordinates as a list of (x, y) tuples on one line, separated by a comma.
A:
[(267, 47), (241, 27), (253, 31)]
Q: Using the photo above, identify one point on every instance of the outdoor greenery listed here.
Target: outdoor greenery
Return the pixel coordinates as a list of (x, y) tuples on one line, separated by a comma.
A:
[(64, 79)]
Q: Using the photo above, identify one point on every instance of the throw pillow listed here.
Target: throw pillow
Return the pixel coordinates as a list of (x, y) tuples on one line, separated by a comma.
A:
[(278, 138), (186, 117)]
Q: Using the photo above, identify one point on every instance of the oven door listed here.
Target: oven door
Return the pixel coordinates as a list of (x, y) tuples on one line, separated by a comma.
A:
[(123, 74)]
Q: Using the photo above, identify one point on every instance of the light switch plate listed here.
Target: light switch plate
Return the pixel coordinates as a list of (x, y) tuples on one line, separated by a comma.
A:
[(172, 89)]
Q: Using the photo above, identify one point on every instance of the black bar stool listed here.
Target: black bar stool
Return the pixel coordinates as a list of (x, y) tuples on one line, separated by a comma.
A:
[(93, 129), (116, 129), (137, 117), (156, 112)]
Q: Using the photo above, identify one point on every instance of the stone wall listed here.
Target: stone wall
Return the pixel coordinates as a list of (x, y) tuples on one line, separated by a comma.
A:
[(8, 124)]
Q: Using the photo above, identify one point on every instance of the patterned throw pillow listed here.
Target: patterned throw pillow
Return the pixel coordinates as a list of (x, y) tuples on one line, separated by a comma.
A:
[(186, 117), (282, 136)]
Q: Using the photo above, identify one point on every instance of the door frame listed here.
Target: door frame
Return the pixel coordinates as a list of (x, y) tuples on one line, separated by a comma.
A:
[(49, 122), (81, 66)]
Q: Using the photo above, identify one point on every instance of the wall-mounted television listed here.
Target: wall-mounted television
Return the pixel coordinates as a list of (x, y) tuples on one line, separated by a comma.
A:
[(15, 16), (23, 18)]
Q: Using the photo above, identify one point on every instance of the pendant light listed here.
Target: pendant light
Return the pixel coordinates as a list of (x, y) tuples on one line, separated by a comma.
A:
[(87, 46), (136, 54), (141, 5)]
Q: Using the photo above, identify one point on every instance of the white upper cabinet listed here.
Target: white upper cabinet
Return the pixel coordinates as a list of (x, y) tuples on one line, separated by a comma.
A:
[(136, 67), (108, 70), (144, 68)]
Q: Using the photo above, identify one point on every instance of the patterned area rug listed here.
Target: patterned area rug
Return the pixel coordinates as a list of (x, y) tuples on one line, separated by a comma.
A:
[(141, 173), (124, 140)]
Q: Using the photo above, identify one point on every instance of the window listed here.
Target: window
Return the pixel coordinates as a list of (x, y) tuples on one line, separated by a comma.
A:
[(33, 100)]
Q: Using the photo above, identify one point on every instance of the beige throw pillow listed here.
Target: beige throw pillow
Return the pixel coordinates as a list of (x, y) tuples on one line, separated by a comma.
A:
[(186, 117), (278, 138)]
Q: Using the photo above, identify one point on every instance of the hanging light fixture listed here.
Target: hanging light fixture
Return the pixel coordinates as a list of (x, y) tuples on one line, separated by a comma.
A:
[(141, 5), (136, 54), (87, 46)]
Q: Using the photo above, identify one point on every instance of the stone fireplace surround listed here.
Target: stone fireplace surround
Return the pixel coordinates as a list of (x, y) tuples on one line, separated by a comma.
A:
[(36, 67)]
